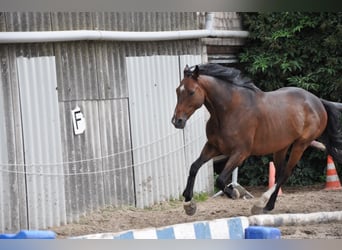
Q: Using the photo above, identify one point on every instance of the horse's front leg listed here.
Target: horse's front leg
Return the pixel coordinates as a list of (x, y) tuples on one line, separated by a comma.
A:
[(208, 152)]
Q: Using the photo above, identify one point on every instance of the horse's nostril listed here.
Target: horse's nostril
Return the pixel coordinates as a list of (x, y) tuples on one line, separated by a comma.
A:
[(178, 122)]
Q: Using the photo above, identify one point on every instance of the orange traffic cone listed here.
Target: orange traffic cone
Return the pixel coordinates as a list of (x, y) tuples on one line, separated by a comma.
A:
[(271, 177), (332, 180)]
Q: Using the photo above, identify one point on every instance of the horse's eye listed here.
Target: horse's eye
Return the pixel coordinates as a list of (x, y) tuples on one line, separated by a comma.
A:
[(191, 93)]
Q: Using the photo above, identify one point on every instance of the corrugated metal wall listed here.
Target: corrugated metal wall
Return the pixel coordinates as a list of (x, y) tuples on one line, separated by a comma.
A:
[(125, 21), (92, 76), (97, 168), (6, 177), (13, 212), (161, 156), (42, 141), (116, 152), (95, 162)]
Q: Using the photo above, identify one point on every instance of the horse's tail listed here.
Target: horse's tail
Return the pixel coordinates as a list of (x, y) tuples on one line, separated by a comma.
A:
[(332, 135)]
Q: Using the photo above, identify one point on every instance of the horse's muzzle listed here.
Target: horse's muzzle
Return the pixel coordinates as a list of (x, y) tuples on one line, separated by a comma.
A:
[(178, 122)]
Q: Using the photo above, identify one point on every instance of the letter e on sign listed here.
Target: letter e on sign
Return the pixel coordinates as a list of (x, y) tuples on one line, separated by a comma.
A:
[(78, 121)]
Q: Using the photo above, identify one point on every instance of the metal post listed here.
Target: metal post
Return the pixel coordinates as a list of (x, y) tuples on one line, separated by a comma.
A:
[(235, 176), (236, 185)]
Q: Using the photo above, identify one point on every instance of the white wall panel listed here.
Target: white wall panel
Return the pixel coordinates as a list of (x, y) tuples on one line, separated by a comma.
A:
[(42, 141), (5, 216), (195, 136), (160, 151)]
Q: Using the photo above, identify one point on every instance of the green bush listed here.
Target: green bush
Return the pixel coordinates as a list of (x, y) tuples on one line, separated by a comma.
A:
[(293, 49)]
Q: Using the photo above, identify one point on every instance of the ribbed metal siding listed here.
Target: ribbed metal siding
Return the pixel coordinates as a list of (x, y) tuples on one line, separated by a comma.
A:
[(27, 21), (4, 196), (90, 71), (159, 155), (8, 217), (92, 76), (145, 21), (42, 144), (13, 215), (76, 69), (71, 20), (116, 152), (77, 62), (120, 21), (155, 165), (183, 47), (84, 189), (98, 168), (195, 136), (111, 76), (2, 22)]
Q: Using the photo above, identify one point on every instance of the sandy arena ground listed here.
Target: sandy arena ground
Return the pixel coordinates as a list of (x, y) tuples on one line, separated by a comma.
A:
[(293, 200)]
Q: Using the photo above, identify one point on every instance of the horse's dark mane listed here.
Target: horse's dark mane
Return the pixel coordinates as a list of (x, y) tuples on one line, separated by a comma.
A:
[(227, 74)]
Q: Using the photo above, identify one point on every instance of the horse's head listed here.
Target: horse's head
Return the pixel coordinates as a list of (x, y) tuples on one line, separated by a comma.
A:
[(190, 96)]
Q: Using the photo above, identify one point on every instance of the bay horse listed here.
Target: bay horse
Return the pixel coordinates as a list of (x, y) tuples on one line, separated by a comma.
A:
[(245, 121)]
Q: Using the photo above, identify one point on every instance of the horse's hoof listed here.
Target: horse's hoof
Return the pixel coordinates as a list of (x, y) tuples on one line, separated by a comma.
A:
[(257, 210), (235, 194), (190, 207), (259, 206), (232, 192)]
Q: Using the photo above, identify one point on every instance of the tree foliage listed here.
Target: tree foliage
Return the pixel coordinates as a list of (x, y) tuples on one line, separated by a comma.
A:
[(293, 49)]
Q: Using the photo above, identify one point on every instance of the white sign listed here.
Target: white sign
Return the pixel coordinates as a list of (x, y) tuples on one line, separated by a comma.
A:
[(78, 121)]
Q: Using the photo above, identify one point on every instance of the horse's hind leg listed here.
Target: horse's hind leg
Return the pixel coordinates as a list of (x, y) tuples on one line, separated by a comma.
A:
[(296, 153), (280, 164), (268, 197)]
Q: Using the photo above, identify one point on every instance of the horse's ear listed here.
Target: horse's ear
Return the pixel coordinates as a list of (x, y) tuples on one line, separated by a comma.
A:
[(187, 71), (195, 73)]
